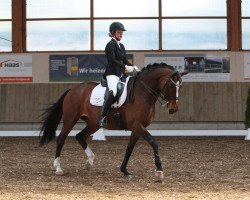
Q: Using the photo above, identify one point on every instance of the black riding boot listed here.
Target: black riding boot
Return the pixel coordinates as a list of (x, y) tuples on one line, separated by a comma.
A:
[(108, 101)]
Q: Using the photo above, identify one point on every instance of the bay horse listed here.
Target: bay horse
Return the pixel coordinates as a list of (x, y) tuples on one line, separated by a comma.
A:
[(154, 82)]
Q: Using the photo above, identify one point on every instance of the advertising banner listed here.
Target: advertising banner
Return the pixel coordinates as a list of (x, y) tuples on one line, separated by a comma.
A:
[(16, 68), (74, 68), (202, 68)]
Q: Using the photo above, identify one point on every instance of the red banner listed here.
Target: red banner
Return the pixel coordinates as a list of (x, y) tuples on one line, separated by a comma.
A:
[(15, 79)]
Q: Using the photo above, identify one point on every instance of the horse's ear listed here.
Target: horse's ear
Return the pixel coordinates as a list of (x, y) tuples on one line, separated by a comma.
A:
[(184, 73), (174, 73)]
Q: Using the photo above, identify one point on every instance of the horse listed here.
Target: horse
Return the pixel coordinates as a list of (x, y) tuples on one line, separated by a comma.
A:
[(155, 82)]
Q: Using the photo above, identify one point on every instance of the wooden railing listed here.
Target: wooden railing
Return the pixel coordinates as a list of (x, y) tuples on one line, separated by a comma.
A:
[(199, 102)]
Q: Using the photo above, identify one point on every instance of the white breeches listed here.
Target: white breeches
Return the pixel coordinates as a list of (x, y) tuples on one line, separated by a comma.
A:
[(112, 81)]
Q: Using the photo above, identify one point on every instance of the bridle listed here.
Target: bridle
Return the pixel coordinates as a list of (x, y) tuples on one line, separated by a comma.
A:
[(164, 96)]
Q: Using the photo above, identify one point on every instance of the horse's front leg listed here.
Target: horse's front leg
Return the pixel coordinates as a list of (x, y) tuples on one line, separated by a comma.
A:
[(142, 131), (158, 172), (132, 141)]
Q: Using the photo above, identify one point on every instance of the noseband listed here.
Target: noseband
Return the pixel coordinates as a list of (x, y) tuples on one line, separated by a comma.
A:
[(164, 96)]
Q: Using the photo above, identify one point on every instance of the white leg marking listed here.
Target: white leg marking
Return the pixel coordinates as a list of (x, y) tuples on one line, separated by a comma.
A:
[(91, 157), (159, 176), (57, 166), (177, 90)]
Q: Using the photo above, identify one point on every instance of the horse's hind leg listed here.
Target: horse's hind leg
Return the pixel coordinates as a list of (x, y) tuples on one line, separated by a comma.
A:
[(81, 137), (60, 142)]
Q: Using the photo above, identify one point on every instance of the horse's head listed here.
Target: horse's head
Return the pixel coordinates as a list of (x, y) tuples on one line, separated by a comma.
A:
[(170, 90), (161, 80)]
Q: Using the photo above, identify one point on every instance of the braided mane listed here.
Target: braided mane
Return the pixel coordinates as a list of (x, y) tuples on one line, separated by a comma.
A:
[(156, 66)]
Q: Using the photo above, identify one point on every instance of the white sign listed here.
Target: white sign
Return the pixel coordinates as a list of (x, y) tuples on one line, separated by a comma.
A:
[(202, 68), (16, 68)]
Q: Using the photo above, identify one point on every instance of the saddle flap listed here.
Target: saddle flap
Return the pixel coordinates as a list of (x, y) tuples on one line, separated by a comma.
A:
[(97, 95)]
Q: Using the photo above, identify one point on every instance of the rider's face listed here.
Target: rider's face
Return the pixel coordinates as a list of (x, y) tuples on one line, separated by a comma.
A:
[(118, 35)]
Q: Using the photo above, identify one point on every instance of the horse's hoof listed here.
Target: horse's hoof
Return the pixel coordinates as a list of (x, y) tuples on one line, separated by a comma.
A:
[(88, 165), (128, 177), (59, 172), (159, 176)]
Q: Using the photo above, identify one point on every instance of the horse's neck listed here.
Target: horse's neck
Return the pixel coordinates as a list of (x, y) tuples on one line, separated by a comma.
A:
[(152, 81), (149, 88)]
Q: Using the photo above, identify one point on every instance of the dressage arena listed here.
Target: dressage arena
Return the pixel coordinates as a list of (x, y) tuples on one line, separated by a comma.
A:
[(194, 167), (189, 68)]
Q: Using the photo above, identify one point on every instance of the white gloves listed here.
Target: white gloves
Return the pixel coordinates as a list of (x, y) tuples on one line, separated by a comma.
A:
[(136, 69), (131, 68)]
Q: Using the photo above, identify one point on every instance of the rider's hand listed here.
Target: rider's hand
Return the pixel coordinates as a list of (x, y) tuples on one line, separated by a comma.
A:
[(129, 69), (136, 68)]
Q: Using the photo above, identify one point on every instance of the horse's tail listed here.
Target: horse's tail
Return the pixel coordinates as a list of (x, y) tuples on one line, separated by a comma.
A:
[(51, 118)]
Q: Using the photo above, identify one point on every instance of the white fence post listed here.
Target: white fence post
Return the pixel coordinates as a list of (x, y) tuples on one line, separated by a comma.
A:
[(248, 134)]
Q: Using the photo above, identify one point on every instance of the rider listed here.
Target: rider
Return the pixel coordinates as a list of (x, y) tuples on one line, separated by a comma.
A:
[(116, 67)]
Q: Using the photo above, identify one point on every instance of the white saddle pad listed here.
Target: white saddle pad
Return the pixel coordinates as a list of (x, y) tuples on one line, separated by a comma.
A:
[(97, 95)]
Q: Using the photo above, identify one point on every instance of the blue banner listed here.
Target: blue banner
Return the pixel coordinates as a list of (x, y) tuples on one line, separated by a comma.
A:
[(78, 68)]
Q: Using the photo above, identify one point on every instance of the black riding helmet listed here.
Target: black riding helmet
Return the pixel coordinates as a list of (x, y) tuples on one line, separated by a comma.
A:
[(116, 26)]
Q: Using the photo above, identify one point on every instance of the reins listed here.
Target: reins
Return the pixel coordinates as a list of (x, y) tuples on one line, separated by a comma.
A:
[(163, 101)]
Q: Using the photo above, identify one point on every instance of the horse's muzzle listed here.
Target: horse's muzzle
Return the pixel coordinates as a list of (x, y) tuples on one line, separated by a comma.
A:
[(173, 107), (172, 111)]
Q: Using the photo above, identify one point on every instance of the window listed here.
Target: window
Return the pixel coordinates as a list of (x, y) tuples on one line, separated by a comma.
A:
[(200, 27), (193, 34), (142, 32), (6, 26), (58, 25), (58, 35), (126, 8), (194, 8), (77, 25), (58, 8), (245, 24)]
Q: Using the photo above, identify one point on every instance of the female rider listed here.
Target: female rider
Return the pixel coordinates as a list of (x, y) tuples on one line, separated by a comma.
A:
[(116, 67)]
